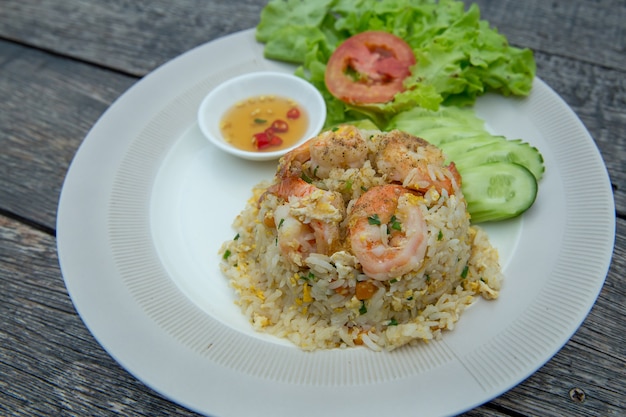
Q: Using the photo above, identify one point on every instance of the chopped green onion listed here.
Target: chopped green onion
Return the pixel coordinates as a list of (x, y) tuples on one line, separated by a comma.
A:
[(395, 223), (362, 309), (393, 280), (280, 223), (348, 185), (260, 121), (392, 322), (427, 277), (373, 219), (440, 235), (306, 178), (465, 271), (309, 277), (227, 253), (236, 237), (363, 188)]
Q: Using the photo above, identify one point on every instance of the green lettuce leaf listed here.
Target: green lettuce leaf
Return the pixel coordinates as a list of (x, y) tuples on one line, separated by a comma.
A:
[(278, 14), (292, 43), (459, 56)]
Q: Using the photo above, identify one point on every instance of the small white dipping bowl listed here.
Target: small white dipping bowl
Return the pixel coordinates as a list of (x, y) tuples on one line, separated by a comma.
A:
[(229, 93)]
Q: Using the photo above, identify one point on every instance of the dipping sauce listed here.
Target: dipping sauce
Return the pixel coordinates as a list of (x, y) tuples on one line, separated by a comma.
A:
[(264, 123)]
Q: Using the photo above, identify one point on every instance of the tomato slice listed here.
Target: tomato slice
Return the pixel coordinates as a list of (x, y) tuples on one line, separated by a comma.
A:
[(369, 67)]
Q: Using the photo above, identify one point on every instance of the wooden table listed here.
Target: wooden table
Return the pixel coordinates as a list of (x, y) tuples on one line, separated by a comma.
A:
[(62, 63)]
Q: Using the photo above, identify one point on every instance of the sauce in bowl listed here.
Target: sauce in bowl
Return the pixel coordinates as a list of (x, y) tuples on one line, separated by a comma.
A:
[(264, 123), (262, 115)]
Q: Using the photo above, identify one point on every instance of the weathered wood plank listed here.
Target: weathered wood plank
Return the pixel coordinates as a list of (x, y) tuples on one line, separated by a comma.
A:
[(48, 105), (51, 365), (574, 42), (598, 97), (131, 36), (137, 36), (49, 362), (592, 362), (591, 31)]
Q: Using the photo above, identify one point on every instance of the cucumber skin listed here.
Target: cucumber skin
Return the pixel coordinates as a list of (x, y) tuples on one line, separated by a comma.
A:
[(483, 207), (514, 151)]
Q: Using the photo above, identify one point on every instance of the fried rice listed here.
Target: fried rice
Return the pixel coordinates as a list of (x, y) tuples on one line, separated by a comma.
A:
[(361, 239)]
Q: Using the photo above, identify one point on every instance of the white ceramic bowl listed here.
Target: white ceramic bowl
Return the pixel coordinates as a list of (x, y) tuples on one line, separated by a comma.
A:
[(227, 94)]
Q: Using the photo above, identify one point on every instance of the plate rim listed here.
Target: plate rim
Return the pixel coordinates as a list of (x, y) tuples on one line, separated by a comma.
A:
[(79, 290)]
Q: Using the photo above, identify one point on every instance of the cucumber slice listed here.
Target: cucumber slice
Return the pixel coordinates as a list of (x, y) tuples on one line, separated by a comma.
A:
[(498, 191), (514, 151), (456, 149), (445, 134), (417, 120)]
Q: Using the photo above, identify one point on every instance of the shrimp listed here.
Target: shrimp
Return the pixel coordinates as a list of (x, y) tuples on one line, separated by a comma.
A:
[(290, 164), (416, 163), (308, 221), (343, 147), (387, 232)]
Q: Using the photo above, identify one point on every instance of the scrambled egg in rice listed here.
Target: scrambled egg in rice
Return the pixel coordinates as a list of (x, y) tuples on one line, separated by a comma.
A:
[(362, 238)]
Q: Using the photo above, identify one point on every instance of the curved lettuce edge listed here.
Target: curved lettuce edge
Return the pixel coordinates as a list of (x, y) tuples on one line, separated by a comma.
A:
[(459, 56)]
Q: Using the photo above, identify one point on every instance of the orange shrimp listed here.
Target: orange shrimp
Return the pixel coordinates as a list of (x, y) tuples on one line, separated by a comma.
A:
[(387, 232), (416, 163), (308, 221), (343, 147)]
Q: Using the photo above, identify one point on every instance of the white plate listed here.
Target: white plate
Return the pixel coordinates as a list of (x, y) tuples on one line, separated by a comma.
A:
[(147, 202)]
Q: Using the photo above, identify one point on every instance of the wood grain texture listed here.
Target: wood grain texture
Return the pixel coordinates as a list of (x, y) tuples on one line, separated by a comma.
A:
[(136, 36), (590, 31), (598, 97), (48, 106), (63, 63), (592, 361), (50, 365), (131, 36)]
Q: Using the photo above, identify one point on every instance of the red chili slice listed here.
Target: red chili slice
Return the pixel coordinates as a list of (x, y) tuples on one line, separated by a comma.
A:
[(293, 113), (269, 132), (280, 126), (261, 140), (266, 139)]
